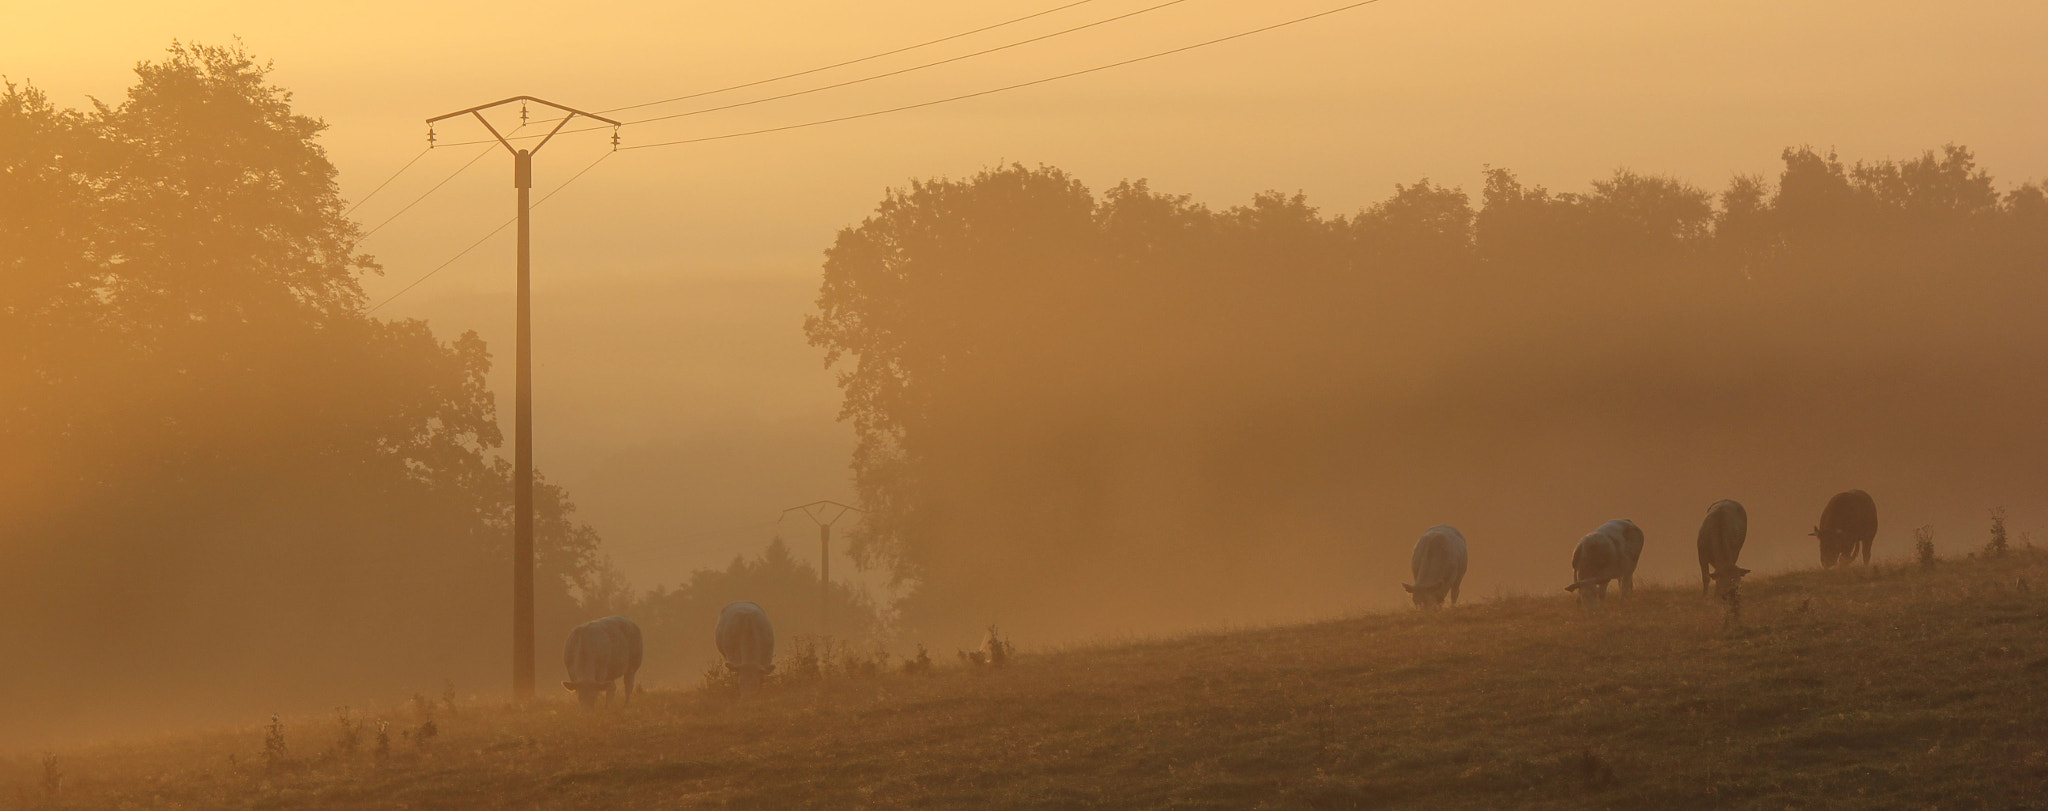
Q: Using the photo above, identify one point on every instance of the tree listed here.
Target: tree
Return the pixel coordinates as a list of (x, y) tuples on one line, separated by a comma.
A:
[(223, 475), (1082, 413)]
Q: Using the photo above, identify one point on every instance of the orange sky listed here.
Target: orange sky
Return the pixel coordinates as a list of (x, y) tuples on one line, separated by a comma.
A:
[(1340, 108)]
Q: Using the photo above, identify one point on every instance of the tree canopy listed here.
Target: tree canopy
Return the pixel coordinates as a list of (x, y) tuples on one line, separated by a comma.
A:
[(1088, 412), (218, 466)]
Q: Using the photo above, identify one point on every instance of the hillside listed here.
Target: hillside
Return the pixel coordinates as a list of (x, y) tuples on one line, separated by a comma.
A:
[(1891, 687)]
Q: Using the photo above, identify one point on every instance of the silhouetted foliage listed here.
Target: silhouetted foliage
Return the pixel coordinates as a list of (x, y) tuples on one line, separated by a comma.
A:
[(221, 472), (1104, 411)]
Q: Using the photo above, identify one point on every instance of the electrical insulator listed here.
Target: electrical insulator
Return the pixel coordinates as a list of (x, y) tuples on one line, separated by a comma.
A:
[(615, 137), (522, 114), (430, 136)]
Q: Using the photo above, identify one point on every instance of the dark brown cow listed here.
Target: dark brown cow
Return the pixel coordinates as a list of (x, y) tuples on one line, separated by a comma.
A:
[(1721, 537), (1847, 525)]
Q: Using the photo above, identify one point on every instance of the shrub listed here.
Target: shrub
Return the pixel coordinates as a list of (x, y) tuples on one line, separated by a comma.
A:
[(1923, 546), (53, 780), (804, 663), (273, 744), (1998, 545), (719, 677), (994, 651), (351, 737), (920, 664)]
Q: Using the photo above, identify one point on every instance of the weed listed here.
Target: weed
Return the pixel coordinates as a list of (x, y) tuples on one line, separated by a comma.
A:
[(999, 650), (383, 750), (351, 738), (720, 677), (53, 780), (448, 697), (1998, 545), (994, 651), (274, 752), (422, 708), (804, 663), (920, 664), (850, 663), (1923, 546), (1734, 597), (428, 729)]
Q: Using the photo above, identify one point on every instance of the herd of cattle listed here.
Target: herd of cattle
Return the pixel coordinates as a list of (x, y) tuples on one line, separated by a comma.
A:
[(603, 652), (1847, 526)]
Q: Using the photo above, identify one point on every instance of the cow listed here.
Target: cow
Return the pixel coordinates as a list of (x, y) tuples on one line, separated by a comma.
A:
[(1608, 553), (1849, 523), (1721, 537), (747, 642), (599, 653), (1438, 566)]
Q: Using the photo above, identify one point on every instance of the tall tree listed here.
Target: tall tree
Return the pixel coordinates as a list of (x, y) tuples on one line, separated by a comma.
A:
[(221, 472)]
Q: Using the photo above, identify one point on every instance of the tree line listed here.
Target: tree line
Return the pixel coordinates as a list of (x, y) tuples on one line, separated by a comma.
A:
[(1084, 412)]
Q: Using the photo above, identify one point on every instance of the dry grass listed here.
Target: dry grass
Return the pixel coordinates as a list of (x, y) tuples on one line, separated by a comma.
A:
[(1888, 687)]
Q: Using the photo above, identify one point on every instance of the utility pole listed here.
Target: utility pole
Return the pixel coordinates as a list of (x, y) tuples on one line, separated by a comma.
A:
[(522, 442), (815, 511)]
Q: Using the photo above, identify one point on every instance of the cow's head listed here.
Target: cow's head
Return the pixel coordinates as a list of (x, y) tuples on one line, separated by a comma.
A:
[(1591, 590), (1830, 545), (587, 692), (750, 676), (1726, 581), (1427, 596)]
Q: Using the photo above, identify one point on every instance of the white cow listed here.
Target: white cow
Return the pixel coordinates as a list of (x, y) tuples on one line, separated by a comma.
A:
[(1438, 566), (747, 642), (600, 652), (1608, 553)]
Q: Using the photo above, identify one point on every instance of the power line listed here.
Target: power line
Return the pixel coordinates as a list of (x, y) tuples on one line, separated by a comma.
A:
[(486, 237), (992, 91), (387, 181), (878, 76), (949, 60), (848, 62), (903, 108), (429, 192)]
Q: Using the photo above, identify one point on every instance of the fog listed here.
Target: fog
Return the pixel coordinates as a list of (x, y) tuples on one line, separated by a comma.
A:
[(1087, 376)]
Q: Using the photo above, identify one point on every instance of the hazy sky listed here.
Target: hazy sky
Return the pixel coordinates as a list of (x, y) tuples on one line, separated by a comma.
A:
[(703, 248)]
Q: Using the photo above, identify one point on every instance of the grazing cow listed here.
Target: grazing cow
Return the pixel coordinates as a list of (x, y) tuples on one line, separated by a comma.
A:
[(601, 652), (1848, 523), (1608, 553), (747, 642), (1721, 537), (1439, 566)]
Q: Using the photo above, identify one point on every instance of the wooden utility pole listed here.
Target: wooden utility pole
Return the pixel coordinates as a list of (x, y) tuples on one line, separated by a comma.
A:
[(522, 419), (814, 511)]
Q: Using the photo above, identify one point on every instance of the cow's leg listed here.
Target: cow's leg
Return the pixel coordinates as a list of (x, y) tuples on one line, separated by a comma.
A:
[(1866, 550), (608, 689), (629, 688), (1454, 594), (1628, 584)]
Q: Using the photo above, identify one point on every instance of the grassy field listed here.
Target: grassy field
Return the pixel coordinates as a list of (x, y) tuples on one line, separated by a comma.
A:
[(1885, 687)]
